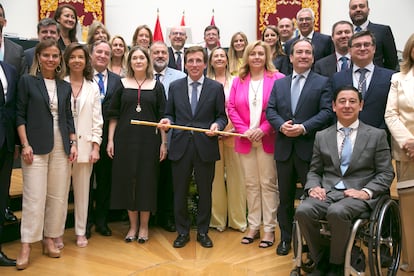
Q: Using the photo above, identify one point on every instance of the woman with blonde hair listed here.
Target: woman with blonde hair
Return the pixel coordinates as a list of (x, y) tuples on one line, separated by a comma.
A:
[(249, 95), (117, 64), (97, 31), (238, 44), (399, 117), (228, 193)]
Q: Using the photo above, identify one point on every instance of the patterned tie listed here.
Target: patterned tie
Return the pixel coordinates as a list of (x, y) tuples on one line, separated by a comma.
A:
[(362, 83), (358, 29), (178, 62), (157, 76), (194, 93), (295, 92), (344, 64), (101, 85), (346, 153)]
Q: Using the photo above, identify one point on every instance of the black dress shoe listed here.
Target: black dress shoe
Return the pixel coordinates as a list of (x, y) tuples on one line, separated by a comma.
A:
[(181, 240), (168, 225), (204, 240), (103, 230), (5, 261), (9, 216), (88, 232), (283, 248)]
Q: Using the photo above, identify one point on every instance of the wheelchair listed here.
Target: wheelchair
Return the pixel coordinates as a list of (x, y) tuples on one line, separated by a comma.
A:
[(376, 233)]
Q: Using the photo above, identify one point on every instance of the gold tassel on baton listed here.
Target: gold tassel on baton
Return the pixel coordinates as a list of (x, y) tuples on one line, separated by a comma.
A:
[(147, 123)]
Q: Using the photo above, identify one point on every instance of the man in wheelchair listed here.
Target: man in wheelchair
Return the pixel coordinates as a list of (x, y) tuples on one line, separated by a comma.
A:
[(350, 169)]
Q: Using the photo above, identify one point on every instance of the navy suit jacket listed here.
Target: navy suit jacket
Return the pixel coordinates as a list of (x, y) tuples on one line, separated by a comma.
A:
[(376, 96), (33, 111), (113, 84), (326, 66), (314, 111), (385, 52), (210, 109), (171, 61), (322, 44), (8, 109), (29, 55), (14, 55)]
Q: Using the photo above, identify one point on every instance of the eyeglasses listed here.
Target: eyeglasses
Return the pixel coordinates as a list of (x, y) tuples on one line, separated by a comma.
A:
[(178, 33), (305, 19), (359, 45)]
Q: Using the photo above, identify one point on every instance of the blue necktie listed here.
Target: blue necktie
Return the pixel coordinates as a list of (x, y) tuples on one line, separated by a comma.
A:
[(358, 29), (101, 85), (295, 92), (157, 76), (346, 153), (194, 93), (344, 64), (178, 62), (362, 83)]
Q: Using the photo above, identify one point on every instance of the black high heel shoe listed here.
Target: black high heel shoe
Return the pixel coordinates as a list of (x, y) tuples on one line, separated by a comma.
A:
[(142, 239), (130, 239)]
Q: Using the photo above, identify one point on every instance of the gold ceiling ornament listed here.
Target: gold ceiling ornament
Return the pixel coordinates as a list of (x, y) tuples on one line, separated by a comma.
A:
[(46, 7), (94, 7)]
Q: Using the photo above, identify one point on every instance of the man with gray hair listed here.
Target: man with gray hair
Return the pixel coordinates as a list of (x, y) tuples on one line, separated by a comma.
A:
[(47, 28), (323, 45), (166, 75), (178, 37)]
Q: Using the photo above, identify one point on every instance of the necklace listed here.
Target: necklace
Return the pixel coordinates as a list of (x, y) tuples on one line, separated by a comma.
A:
[(255, 90), (138, 109), (75, 100), (51, 91)]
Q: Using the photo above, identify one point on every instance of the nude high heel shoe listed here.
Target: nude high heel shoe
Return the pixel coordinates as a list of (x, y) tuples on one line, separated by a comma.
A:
[(22, 261), (49, 248)]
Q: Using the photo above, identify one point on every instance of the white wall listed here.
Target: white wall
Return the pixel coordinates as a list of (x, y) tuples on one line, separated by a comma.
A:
[(122, 16)]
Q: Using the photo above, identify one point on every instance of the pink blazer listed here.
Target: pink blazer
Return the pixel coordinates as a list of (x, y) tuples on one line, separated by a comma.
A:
[(239, 113)]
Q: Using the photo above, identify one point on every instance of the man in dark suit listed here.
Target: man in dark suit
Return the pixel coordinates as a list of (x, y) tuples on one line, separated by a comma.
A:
[(299, 105), (341, 59), (8, 135), (386, 52), (322, 44), (178, 37), (47, 28), (195, 101), (340, 187), (10, 52), (374, 84), (165, 194), (108, 83)]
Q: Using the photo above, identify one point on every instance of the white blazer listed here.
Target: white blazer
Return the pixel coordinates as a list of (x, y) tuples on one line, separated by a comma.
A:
[(88, 119), (399, 115)]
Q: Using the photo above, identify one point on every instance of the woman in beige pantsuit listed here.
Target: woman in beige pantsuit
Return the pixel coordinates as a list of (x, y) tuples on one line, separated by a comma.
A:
[(228, 193), (47, 134), (87, 114), (399, 116)]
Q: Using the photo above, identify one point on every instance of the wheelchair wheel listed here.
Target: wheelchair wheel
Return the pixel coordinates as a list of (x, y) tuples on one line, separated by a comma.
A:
[(306, 263), (384, 247)]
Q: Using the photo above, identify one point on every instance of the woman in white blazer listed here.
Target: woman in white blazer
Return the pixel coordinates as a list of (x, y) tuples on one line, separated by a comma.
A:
[(87, 115), (399, 117)]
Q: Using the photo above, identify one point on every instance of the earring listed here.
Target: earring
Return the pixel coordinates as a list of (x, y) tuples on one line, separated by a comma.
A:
[(58, 69)]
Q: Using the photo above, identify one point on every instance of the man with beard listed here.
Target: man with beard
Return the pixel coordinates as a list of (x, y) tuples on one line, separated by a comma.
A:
[(386, 52), (166, 75), (340, 60)]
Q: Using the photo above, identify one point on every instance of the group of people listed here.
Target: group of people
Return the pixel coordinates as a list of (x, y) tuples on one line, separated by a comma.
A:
[(275, 99)]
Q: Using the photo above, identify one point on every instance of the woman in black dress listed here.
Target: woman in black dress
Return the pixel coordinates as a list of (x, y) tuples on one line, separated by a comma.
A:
[(136, 150)]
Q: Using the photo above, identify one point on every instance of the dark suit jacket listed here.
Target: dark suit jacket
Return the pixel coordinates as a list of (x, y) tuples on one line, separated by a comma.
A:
[(326, 66), (113, 84), (8, 110), (14, 55), (376, 96), (314, 111), (171, 60), (322, 44), (33, 111), (385, 52), (282, 64), (29, 55), (370, 165), (210, 109)]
